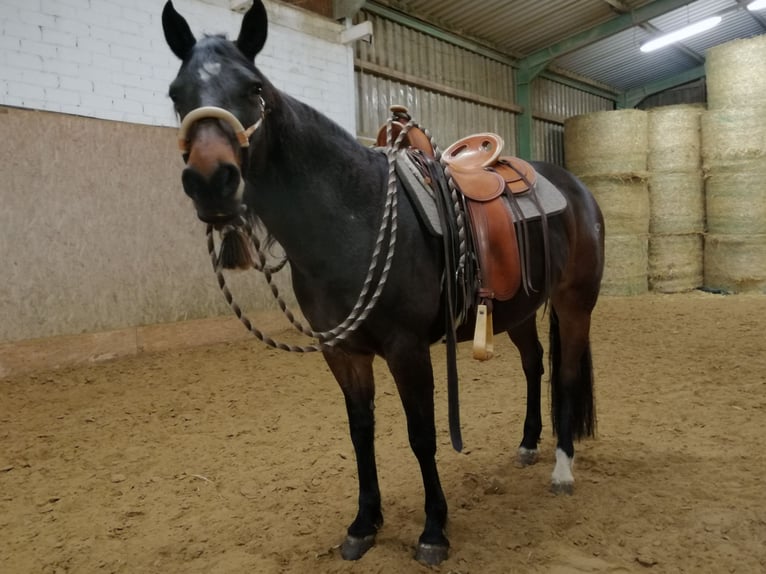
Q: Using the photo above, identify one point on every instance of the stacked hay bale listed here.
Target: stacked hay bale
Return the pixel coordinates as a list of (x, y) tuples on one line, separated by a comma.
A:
[(734, 160), (676, 198), (608, 152)]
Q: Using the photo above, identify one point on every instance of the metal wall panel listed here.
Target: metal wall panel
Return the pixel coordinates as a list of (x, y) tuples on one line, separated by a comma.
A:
[(448, 89), (548, 142), (454, 91), (552, 103), (692, 93), (446, 117), (559, 101)]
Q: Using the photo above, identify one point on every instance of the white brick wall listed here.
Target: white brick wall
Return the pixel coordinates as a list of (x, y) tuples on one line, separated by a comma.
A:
[(108, 58)]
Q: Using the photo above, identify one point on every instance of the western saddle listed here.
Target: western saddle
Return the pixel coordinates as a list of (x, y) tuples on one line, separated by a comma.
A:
[(489, 184)]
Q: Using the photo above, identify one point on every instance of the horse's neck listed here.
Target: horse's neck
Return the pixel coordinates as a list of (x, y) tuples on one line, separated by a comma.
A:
[(318, 189), (302, 136)]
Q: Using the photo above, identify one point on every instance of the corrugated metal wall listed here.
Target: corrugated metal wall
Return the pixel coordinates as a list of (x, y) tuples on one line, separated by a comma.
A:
[(552, 103), (454, 91), (692, 93), (448, 89)]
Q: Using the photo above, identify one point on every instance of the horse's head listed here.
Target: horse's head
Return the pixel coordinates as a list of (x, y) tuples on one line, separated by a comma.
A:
[(217, 91)]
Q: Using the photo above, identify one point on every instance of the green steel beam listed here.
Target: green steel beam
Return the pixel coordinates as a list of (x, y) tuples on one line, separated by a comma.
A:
[(631, 98), (615, 25)]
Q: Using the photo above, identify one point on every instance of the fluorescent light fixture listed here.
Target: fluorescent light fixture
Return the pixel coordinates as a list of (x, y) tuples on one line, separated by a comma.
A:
[(683, 33), (757, 5)]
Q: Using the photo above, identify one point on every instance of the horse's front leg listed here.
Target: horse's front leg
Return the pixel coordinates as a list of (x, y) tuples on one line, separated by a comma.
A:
[(524, 336), (354, 375), (410, 365)]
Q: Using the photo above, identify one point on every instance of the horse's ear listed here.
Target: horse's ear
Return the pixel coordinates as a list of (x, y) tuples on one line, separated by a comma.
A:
[(252, 35), (178, 35)]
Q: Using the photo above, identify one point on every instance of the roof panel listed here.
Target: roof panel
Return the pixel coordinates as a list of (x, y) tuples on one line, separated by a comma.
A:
[(518, 26), (522, 27), (617, 61)]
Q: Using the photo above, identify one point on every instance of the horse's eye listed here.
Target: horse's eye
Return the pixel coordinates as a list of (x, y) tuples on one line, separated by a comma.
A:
[(255, 89)]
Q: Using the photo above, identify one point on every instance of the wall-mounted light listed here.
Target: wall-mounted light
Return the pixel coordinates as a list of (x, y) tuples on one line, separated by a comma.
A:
[(683, 33), (757, 5)]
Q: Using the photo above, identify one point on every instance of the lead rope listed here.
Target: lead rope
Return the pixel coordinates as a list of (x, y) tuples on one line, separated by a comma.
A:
[(360, 311)]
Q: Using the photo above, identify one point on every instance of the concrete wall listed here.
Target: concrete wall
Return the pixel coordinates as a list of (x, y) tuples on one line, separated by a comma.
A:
[(95, 231)]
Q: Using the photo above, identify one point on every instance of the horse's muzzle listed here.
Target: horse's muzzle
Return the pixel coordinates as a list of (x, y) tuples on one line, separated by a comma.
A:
[(217, 197)]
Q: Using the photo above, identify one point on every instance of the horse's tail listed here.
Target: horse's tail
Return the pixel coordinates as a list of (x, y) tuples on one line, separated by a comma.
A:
[(582, 407)]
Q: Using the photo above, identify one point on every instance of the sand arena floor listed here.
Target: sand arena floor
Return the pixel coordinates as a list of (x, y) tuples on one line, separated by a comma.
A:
[(235, 458)]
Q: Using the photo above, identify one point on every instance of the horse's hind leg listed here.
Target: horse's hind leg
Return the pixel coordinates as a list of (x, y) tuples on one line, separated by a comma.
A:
[(354, 374), (572, 402), (524, 336), (410, 364)]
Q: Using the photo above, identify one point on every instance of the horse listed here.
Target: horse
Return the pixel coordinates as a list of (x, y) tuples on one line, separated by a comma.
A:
[(321, 195)]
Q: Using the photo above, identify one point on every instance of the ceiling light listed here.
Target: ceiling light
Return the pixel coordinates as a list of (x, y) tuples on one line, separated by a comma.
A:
[(757, 5), (682, 34)]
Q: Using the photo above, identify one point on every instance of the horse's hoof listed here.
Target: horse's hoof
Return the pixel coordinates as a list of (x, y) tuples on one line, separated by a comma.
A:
[(527, 456), (562, 480), (431, 554), (353, 548), (562, 488)]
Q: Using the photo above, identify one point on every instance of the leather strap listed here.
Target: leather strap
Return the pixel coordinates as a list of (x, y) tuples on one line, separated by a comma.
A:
[(449, 242)]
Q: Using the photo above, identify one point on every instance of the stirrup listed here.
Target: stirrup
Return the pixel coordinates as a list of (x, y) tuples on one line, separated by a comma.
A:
[(483, 347)]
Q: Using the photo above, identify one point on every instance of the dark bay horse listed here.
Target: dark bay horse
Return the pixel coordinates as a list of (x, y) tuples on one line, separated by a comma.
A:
[(321, 195)]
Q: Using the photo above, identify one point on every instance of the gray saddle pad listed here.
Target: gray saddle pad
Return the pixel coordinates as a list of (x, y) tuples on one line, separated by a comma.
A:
[(551, 199)]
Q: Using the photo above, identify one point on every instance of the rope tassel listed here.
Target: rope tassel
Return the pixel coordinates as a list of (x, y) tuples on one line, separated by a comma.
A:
[(236, 251)]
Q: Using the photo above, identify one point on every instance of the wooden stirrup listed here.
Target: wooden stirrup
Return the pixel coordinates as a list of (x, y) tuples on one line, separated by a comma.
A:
[(483, 347)]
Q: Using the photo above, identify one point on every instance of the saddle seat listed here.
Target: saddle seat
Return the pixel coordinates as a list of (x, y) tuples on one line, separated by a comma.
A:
[(482, 173)]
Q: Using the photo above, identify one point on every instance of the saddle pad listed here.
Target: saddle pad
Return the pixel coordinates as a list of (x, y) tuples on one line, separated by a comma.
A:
[(419, 192), (551, 200), (421, 196)]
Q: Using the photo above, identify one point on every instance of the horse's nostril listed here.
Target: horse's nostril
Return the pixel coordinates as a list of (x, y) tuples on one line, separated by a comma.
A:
[(192, 182), (227, 175)]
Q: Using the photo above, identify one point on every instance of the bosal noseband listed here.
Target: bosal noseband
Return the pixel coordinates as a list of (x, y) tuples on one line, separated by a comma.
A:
[(243, 134)]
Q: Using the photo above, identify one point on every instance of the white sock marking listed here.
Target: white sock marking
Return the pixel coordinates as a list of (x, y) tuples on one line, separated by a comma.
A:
[(562, 472)]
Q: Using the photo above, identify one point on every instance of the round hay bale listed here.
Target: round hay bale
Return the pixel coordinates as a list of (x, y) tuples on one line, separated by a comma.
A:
[(674, 138), (612, 142), (675, 262), (732, 80), (736, 263), (736, 199), (731, 137), (625, 271), (676, 202), (624, 203)]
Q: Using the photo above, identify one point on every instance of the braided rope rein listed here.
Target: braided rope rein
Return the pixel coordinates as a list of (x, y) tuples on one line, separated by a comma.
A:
[(360, 311)]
